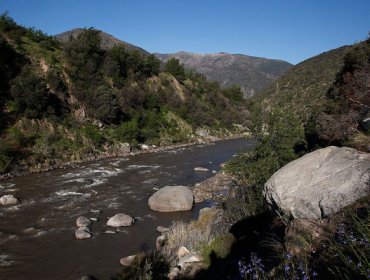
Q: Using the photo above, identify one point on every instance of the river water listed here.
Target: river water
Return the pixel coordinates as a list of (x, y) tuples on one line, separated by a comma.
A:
[(37, 236)]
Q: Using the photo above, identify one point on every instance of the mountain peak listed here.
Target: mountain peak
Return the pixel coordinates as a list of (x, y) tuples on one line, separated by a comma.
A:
[(107, 40)]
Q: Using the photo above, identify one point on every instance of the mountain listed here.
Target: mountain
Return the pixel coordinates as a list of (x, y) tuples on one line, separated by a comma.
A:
[(252, 74), (107, 40)]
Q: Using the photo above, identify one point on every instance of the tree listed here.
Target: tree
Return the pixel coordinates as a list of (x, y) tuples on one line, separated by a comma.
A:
[(31, 95), (174, 67), (84, 56)]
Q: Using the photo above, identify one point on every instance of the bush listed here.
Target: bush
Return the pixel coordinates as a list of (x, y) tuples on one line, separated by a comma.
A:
[(219, 247), (146, 266), (31, 95)]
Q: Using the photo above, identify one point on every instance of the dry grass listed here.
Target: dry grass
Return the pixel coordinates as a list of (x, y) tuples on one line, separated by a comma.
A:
[(192, 234)]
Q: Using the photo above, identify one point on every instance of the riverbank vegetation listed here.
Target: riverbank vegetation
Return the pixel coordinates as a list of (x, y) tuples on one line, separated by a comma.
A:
[(66, 101)]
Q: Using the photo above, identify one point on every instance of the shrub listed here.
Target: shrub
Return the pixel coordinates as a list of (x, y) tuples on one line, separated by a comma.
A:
[(146, 266), (219, 247)]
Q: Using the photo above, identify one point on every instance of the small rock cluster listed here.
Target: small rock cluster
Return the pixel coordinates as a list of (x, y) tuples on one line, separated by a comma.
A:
[(119, 220)]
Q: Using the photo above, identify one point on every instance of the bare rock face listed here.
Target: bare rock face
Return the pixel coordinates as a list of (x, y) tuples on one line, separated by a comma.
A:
[(171, 199), (83, 221), (320, 183), (8, 199), (121, 220)]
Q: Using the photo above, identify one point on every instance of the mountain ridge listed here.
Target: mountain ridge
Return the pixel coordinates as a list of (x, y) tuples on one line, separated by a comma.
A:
[(252, 74)]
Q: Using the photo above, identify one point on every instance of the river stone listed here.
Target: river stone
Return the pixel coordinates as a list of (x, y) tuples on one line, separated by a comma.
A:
[(82, 234), (8, 199), (162, 229), (190, 258), (83, 221), (171, 199), (201, 169), (127, 261), (183, 251), (120, 220), (320, 183)]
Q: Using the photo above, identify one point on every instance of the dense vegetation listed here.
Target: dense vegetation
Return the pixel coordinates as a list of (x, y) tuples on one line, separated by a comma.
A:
[(65, 101)]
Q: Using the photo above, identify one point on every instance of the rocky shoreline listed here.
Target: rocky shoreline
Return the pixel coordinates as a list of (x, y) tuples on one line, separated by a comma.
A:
[(127, 151)]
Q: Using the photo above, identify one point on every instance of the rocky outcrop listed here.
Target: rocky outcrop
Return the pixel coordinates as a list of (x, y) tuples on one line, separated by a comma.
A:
[(8, 199), (171, 199), (120, 220), (320, 183)]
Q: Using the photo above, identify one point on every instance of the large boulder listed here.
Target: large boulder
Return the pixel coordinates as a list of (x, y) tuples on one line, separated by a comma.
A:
[(8, 199), (121, 220), (171, 199), (320, 183)]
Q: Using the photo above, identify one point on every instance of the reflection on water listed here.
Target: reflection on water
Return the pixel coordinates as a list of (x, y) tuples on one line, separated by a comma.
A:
[(37, 237)]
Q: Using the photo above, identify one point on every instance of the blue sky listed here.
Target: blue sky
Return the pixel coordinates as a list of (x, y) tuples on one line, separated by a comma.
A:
[(291, 30)]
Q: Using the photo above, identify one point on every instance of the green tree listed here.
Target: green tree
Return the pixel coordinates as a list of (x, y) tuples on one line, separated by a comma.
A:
[(176, 69), (31, 95)]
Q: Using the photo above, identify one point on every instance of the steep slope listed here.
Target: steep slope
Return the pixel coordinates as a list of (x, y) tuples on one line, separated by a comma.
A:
[(252, 74), (107, 40), (76, 100), (303, 88)]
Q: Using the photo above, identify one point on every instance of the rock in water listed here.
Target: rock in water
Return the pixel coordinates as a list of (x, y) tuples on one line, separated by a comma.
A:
[(201, 169), (171, 199), (8, 199), (121, 220), (82, 234), (320, 183), (83, 221)]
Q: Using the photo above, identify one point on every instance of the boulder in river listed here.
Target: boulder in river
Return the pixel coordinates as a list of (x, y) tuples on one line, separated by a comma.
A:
[(320, 183), (171, 199), (83, 221), (8, 199), (81, 233), (121, 220)]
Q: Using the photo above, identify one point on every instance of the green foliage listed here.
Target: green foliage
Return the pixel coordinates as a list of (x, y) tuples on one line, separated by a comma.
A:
[(219, 247), (176, 69), (31, 95), (128, 131), (234, 94), (102, 104), (146, 266), (93, 133), (6, 156)]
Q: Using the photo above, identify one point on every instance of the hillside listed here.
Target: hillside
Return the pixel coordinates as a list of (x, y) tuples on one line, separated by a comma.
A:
[(328, 94), (304, 86), (77, 100), (107, 40), (252, 74)]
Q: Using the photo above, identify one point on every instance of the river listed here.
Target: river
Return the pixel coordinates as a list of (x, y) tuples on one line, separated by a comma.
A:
[(37, 236)]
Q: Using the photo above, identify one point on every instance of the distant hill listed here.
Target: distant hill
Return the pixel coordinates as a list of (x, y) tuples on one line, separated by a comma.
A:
[(253, 74), (107, 40)]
